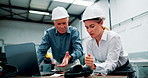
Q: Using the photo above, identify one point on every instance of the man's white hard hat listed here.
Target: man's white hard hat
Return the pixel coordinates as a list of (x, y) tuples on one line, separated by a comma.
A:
[(93, 11), (59, 13)]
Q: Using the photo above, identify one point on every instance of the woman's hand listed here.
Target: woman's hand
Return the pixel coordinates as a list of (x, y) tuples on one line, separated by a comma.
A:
[(89, 61)]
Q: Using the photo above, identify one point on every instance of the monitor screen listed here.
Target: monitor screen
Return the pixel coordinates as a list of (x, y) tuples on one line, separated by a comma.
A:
[(24, 57)]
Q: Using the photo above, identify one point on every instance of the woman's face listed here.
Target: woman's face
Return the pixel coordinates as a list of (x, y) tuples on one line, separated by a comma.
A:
[(93, 28)]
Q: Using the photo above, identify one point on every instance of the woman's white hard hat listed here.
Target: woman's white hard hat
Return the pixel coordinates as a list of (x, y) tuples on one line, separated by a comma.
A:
[(91, 12), (59, 13)]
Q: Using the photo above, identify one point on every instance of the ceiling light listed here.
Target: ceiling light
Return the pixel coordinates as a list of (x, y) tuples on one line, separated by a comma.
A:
[(38, 12), (78, 2), (83, 3), (65, 1)]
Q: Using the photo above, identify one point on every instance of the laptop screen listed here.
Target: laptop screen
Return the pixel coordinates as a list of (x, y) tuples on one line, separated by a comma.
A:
[(23, 56)]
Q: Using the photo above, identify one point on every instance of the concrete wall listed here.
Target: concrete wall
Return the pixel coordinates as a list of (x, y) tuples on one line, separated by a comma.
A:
[(16, 32), (129, 19)]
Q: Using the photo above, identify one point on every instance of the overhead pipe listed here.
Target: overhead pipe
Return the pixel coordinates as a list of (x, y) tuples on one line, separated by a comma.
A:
[(109, 9), (24, 8)]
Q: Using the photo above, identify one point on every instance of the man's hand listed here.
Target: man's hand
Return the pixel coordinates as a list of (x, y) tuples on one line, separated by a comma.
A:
[(89, 61), (65, 61)]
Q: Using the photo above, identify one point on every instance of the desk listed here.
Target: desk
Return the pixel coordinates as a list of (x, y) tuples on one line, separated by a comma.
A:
[(76, 77)]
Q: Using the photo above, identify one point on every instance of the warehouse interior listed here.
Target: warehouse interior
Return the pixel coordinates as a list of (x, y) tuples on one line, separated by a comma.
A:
[(129, 18)]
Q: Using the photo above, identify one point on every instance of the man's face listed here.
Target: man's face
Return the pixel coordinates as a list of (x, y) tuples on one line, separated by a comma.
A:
[(61, 25)]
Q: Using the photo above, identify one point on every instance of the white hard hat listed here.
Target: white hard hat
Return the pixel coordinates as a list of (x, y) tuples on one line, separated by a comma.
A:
[(58, 13), (92, 12)]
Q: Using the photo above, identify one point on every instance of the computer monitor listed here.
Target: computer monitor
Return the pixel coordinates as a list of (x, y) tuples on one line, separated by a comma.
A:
[(24, 57)]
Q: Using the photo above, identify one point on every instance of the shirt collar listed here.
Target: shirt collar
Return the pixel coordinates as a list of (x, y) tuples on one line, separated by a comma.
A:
[(68, 31), (104, 36)]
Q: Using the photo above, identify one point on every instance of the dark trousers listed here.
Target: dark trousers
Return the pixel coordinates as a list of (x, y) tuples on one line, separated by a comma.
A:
[(127, 67)]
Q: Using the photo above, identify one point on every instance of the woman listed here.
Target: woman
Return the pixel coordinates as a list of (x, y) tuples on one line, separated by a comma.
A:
[(104, 49)]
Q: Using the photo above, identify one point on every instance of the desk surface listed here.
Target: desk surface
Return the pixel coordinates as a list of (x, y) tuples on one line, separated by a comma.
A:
[(76, 77)]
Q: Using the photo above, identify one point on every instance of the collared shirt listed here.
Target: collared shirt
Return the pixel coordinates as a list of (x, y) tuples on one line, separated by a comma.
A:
[(109, 54), (60, 44)]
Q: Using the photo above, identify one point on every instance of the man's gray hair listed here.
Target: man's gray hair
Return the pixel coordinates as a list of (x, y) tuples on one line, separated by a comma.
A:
[(66, 17)]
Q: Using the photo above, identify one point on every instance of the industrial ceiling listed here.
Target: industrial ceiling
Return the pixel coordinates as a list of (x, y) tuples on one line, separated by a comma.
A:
[(20, 9)]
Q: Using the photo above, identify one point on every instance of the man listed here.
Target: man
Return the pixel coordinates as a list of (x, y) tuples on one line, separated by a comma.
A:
[(64, 41)]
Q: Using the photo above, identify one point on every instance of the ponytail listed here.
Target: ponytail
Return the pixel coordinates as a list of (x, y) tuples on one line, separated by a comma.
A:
[(105, 28)]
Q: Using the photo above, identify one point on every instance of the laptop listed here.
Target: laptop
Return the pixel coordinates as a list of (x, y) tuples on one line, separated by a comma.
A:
[(24, 57)]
